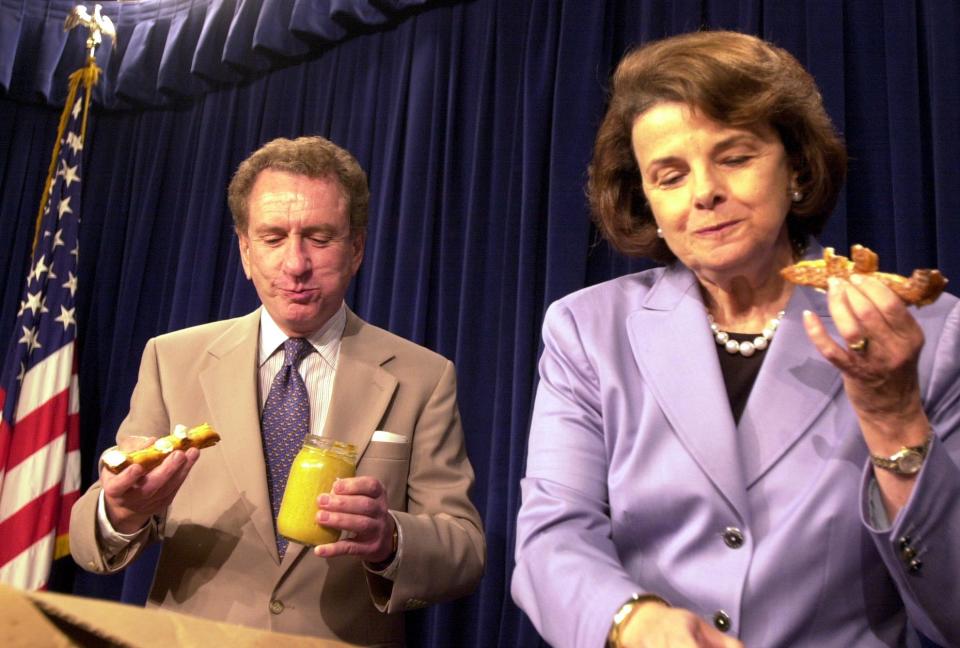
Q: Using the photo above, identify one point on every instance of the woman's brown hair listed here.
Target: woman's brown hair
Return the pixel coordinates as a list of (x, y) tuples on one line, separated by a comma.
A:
[(736, 80)]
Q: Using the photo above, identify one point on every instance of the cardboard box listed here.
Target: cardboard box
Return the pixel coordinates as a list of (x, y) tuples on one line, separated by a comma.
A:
[(47, 620)]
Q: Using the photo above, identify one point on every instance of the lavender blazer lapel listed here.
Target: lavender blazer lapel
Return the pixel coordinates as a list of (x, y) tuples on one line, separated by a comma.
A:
[(229, 386), (677, 357), (794, 386)]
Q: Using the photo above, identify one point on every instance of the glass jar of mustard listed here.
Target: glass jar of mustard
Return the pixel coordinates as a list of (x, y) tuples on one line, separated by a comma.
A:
[(320, 462)]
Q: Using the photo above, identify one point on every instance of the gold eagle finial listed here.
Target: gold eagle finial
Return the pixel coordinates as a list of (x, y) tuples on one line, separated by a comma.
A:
[(98, 25)]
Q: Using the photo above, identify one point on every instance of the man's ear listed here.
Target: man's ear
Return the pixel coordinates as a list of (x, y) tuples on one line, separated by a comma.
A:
[(359, 243), (243, 242)]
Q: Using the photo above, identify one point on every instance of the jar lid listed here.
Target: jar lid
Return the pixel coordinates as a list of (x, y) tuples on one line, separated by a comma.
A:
[(339, 448)]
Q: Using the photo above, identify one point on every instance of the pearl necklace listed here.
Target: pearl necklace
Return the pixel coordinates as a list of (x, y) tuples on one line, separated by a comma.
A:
[(746, 348)]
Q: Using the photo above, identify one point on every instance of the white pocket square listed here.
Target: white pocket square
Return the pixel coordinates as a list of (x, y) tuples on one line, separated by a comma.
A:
[(388, 437)]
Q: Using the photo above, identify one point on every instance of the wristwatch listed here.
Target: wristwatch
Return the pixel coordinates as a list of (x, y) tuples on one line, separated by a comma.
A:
[(906, 461), (625, 612)]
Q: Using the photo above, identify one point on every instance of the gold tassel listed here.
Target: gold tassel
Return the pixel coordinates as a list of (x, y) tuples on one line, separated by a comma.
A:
[(88, 75)]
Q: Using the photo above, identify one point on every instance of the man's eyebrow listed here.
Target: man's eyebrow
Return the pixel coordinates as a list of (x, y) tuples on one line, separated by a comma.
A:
[(266, 228), (321, 228)]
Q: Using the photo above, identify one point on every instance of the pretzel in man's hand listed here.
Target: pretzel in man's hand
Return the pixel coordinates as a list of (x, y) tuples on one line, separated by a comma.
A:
[(201, 436)]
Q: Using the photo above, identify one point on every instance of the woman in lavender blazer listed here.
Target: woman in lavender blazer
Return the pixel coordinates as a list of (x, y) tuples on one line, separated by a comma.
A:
[(718, 457)]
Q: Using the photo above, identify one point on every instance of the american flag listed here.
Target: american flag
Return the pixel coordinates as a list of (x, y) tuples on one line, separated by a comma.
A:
[(39, 428)]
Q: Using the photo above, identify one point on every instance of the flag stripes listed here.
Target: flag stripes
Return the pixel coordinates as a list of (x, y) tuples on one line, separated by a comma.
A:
[(37, 470), (39, 395)]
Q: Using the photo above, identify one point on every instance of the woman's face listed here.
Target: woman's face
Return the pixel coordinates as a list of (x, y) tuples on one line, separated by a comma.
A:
[(719, 194)]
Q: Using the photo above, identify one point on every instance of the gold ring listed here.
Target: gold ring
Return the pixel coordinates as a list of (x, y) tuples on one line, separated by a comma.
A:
[(860, 346)]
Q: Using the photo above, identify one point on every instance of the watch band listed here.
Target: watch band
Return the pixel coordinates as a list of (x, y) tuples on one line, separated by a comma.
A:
[(906, 461), (625, 612)]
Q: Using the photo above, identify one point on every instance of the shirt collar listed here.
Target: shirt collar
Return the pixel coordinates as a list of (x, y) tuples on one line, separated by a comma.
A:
[(325, 340)]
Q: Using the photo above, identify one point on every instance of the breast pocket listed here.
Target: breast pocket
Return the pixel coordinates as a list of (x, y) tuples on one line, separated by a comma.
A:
[(390, 463)]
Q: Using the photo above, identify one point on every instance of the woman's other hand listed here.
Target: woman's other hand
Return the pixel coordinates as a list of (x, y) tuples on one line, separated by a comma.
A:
[(653, 625)]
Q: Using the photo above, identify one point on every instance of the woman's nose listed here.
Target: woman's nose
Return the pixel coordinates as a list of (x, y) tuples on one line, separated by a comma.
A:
[(708, 191)]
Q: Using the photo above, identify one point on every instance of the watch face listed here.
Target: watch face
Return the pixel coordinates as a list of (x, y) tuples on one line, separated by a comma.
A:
[(909, 462)]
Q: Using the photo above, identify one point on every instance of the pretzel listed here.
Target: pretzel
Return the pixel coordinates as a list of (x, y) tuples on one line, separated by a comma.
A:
[(921, 288), (201, 436)]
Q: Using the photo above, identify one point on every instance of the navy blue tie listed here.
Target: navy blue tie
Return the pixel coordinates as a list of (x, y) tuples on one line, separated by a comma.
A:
[(285, 423)]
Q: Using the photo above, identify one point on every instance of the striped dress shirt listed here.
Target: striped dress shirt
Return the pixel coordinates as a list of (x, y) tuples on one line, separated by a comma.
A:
[(317, 369)]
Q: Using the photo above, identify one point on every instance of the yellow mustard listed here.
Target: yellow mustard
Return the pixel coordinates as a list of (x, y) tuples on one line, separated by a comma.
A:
[(319, 463)]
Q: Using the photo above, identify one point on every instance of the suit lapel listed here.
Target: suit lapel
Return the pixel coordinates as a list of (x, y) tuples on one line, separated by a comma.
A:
[(677, 356), (793, 387), (362, 390), (230, 389)]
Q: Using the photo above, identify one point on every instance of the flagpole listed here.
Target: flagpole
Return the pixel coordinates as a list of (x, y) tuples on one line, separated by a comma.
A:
[(39, 390), (88, 75)]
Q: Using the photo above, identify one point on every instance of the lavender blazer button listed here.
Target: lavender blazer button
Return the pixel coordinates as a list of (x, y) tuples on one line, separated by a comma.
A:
[(733, 537)]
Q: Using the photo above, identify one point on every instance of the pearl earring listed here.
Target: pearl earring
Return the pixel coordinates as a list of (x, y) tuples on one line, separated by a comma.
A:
[(659, 233), (796, 196)]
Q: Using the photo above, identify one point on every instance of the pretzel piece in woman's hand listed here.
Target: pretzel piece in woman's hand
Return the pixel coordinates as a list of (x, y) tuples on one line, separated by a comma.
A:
[(921, 288), (201, 436)]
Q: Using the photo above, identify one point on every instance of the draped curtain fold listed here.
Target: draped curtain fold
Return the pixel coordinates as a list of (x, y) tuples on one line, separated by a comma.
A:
[(475, 122), (168, 50)]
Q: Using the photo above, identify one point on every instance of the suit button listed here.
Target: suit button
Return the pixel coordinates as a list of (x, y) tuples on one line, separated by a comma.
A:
[(276, 606), (721, 620), (733, 537), (914, 565)]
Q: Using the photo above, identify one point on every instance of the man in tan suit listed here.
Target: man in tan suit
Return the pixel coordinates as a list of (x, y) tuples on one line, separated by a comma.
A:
[(413, 536)]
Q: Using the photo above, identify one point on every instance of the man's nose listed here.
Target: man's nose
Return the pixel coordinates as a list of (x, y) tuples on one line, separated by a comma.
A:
[(296, 261)]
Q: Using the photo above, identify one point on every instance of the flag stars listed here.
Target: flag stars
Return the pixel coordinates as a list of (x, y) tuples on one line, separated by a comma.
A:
[(30, 338), (42, 340), (74, 142), (39, 269), (66, 317), (64, 207), (71, 283), (69, 173), (32, 302)]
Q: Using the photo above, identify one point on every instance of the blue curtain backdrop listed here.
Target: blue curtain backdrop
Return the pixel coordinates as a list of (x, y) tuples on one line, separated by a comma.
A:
[(475, 122)]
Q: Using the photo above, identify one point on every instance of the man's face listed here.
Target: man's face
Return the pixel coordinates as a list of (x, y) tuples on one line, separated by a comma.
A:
[(298, 249)]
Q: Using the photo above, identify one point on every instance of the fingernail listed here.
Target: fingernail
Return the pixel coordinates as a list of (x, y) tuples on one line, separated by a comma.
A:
[(833, 282), (323, 516), (324, 499)]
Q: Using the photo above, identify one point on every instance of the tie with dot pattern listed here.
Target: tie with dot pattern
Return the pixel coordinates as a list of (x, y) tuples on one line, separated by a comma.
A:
[(285, 423)]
